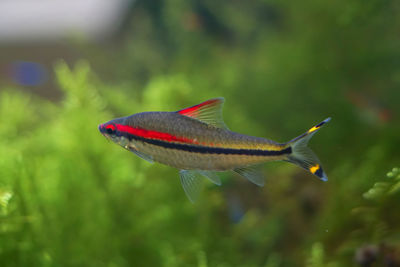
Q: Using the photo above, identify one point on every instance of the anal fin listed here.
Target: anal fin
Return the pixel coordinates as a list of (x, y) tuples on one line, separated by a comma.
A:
[(252, 173)]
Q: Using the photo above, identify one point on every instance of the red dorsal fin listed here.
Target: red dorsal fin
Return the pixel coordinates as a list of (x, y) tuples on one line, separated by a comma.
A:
[(209, 112)]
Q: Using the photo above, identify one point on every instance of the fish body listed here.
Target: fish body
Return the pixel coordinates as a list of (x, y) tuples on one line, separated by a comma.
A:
[(186, 143), (196, 141)]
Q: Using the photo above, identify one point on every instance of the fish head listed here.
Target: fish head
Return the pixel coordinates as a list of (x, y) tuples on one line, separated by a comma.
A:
[(111, 132)]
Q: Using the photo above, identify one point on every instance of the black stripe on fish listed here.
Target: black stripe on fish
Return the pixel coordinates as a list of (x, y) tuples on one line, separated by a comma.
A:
[(211, 150)]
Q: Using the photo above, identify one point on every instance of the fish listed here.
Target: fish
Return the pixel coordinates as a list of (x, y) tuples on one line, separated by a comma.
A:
[(196, 141)]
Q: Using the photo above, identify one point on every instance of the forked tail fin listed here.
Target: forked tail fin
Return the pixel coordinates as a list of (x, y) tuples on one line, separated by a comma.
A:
[(303, 156)]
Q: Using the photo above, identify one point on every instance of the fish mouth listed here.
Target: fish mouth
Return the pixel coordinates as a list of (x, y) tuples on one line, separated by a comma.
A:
[(102, 130)]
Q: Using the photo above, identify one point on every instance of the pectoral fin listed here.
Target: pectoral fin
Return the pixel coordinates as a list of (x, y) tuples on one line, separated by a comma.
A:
[(140, 154)]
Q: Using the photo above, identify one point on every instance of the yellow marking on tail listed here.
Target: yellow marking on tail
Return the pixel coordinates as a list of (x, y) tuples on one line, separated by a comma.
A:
[(313, 129), (314, 168)]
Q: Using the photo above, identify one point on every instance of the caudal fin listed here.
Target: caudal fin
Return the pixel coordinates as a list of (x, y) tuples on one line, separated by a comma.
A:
[(303, 156)]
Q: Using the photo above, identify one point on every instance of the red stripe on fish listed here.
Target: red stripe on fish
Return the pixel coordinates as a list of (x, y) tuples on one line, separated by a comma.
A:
[(153, 134)]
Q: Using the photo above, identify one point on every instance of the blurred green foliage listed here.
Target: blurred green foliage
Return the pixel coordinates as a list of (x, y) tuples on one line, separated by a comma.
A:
[(70, 198)]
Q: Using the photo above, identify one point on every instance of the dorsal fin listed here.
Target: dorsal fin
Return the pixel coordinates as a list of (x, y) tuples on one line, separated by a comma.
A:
[(209, 112)]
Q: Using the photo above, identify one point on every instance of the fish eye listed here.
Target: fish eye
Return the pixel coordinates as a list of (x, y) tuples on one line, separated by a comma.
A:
[(110, 129)]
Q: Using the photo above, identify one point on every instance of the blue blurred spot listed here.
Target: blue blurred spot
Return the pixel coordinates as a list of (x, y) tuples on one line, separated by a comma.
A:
[(235, 208), (28, 73)]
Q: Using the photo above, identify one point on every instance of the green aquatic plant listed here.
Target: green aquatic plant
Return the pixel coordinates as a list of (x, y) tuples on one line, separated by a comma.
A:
[(386, 189), (374, 238)]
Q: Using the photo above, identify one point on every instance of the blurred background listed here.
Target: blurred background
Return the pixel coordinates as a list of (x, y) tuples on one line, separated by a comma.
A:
[(70, 198)]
